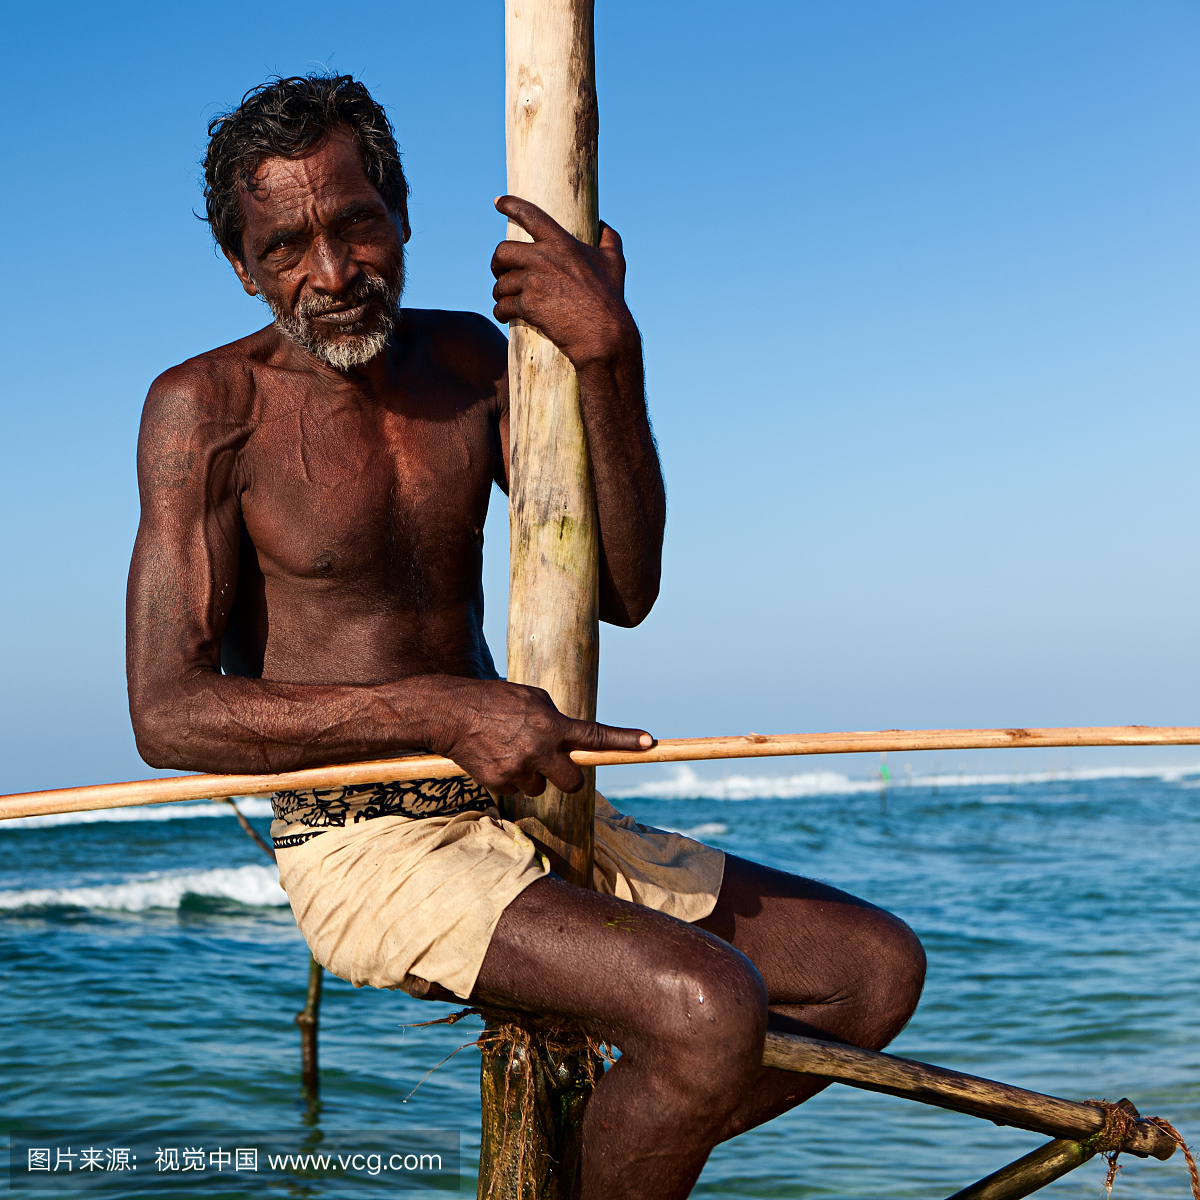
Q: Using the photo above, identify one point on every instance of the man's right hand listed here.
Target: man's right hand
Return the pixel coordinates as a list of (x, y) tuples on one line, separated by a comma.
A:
[(511, 738)]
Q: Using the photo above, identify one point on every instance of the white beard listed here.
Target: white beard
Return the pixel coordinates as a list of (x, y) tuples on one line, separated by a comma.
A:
[(355, 346)]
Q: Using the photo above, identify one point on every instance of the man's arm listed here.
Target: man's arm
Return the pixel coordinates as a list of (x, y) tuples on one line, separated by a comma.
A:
[(575, 295), (188, 715)]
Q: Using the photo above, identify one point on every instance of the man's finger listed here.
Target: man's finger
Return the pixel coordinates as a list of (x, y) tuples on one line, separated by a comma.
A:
[(588, 735), (538, 224), (508, 309), (509, 284), (534, 786), (564, 774), (511, 256)]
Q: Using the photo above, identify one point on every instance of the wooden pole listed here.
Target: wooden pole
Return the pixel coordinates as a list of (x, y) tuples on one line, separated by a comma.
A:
[(553, 599), (998, 1102), (432, 766), (532, 1091)]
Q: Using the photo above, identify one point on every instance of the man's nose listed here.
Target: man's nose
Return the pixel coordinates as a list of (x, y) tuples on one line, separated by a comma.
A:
[(331, 268)]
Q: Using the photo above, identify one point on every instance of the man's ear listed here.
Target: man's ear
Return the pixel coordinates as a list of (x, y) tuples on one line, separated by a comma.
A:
[(402, 213), (251, 288)]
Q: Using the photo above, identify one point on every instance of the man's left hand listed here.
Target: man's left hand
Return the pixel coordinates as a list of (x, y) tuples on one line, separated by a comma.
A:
[(571, 292)]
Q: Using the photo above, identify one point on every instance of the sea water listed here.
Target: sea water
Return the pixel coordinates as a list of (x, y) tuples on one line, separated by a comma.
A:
[(152, 970)]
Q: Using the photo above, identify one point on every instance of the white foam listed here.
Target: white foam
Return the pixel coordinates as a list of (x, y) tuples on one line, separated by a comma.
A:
[(251, 806), (687, 785), (704, 830), (253, 885)]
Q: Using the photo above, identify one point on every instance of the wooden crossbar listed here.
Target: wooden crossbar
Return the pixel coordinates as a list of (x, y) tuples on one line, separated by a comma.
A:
[(998, 1102)]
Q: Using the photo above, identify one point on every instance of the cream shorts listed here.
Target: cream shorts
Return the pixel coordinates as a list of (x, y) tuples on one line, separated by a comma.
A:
[(389, 896)]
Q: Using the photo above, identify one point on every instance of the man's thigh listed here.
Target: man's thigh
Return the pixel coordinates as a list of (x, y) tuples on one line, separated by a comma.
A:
[(616, 965)]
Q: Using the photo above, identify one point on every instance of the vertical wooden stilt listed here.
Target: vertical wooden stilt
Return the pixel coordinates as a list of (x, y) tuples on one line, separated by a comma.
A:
[(553, 621), (533, 1093)]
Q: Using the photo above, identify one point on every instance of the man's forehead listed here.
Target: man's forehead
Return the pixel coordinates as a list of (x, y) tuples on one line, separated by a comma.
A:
[(332, 173)]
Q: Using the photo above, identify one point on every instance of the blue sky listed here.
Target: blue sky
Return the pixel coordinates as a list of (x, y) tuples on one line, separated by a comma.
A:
[(919, 286)]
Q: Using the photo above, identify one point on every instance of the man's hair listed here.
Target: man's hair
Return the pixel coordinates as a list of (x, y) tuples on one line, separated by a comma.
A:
[(287, 118)]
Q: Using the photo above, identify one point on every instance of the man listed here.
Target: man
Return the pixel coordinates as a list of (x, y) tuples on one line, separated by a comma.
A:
[(305, 589)]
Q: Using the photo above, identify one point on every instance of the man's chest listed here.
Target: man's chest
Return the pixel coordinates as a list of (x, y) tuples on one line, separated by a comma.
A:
[(370, 498)]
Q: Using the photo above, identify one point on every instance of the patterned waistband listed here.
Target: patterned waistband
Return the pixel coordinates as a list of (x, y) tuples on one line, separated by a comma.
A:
[(306, 814)]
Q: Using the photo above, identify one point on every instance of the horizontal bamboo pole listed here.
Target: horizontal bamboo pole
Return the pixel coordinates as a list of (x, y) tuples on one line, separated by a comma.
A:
[(432, 766), (968, 1094)]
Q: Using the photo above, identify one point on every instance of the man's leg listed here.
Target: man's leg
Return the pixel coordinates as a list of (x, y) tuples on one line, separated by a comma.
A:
[(834, 966), (686, 1009)]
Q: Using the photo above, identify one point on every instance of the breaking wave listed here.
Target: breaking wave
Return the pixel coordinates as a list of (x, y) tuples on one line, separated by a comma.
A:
[(687, 785), (255, 886)]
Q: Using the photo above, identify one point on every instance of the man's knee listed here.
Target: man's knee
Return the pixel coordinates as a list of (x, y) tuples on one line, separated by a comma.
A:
[(893, 975), (703, 1025)]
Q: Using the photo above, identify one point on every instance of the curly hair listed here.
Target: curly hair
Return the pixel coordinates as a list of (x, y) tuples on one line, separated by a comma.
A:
[(286, 118)]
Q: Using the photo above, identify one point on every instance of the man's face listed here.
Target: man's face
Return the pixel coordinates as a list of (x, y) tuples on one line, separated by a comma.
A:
[(321, 248)]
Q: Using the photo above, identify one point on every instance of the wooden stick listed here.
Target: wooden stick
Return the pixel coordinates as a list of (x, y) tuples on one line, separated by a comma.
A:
[(1028, 1174), (250, 831), (432, 766), (969, 1094)]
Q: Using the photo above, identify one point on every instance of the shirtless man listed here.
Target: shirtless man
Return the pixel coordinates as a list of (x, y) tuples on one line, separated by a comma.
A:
[(306, 589)]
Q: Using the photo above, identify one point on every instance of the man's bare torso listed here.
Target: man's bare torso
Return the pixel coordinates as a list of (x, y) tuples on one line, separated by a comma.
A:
[(361, 515)]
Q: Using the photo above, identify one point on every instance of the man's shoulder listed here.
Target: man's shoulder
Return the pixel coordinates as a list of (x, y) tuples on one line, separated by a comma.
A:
[(216, 386), (455, 324), (462, 342)]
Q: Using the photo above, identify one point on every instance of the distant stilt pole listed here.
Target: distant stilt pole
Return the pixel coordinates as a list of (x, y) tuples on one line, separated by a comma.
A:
[(309, 1017)]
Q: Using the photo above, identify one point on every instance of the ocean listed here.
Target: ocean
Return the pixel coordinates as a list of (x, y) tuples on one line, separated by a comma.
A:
[(152, 970)]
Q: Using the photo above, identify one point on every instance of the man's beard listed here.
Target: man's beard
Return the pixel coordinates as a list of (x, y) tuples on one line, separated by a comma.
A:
[(353, 345)]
